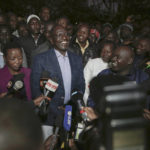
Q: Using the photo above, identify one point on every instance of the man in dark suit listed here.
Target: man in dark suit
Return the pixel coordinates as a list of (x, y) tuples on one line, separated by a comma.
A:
[(63, 65)]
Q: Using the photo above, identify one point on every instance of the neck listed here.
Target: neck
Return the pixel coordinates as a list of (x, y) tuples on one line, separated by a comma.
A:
[(12, 72)]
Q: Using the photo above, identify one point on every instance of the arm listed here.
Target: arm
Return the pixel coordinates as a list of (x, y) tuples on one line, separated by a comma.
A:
[(88, 77), (35, 76)]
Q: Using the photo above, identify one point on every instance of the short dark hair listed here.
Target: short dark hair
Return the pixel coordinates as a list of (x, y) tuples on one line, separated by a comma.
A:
[(11, 45), (20, 128), (103, 43)]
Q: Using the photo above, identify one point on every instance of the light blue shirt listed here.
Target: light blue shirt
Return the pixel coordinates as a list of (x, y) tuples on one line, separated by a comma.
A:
[(66, 73), (1, 60)]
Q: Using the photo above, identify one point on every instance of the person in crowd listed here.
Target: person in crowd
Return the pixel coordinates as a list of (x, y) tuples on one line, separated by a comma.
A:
[(142, 51), (106, 28), (47, 44), (112, 36), (6, 37), (34, 39), (13, 23), (94, 66), (20, 127), (64, 66), (23, 29), (94, 36), (45, 14), (63, 21), (13, 58), (122, 64), (81, 45), (2, 19), (125, 33)]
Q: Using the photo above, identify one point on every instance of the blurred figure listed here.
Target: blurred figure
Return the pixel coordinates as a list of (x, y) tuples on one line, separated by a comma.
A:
[(2, 19), (19, 126), (13, 22)]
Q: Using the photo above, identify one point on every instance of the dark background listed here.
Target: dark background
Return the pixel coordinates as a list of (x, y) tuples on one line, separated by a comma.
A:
[(84, 10)]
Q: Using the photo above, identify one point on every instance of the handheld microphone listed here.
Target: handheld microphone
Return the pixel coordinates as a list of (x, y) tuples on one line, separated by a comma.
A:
[(58, 124), (77, 97), (15, 84), (67, 117), (43, 80), (51, 87)]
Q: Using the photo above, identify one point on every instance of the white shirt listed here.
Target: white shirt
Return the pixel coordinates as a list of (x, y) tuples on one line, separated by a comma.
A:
[(1, 60), (91, 70), (66, 73)]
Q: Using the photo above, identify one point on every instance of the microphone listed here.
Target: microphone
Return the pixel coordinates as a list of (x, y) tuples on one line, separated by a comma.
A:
[(58, 124), (77, 97), (15, 84), (43, 79), (67, 125), (51, 87), (67, 117)]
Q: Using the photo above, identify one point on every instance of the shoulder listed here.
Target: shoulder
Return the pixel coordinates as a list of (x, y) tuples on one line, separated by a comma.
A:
[(26, 71), (105, 72)]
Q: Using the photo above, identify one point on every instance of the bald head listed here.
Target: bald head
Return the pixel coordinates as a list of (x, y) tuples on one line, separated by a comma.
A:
[(19, 126), (122, 59)]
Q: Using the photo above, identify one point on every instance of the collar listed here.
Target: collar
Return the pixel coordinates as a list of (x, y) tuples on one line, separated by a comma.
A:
[(83, 48), (58, 54)]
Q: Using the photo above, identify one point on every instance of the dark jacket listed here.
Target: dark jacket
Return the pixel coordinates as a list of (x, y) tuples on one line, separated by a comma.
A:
[(48, 61), (28, 44), (90, 52)]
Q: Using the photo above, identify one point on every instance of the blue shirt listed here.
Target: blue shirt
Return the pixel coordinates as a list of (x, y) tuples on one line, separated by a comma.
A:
[(66, 73)]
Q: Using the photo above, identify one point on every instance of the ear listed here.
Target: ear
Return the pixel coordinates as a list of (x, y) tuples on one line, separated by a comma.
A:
[(51, 40), (130, 61)]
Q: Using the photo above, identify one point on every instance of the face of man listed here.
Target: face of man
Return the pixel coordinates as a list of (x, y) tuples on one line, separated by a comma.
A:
[(13, 22), (45, 14), (63, 22), (34, 26), (142, 47), (125, 32), (4, 35), (60, 39), (83, 34), (122, 59)]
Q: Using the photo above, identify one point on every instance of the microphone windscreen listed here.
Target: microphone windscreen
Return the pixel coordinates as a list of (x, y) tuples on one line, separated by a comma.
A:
[(51, 85), (67, 117)]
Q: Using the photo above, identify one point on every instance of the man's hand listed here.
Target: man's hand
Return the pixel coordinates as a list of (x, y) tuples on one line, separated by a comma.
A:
[(146, 114), (38, 100), (90, 113), (3, 94)]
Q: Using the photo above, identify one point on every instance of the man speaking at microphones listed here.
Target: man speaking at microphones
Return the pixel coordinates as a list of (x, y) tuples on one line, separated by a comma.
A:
[(63, 65)]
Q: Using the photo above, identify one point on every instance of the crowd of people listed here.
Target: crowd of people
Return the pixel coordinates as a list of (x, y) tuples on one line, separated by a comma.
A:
[(76, 56)]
